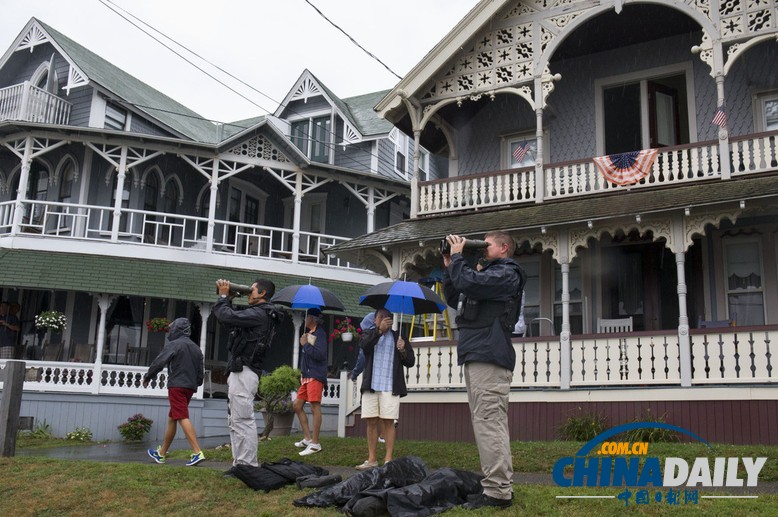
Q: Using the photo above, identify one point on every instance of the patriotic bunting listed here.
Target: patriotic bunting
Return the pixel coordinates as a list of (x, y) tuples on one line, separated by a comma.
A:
[(626, 168), (720, 118)]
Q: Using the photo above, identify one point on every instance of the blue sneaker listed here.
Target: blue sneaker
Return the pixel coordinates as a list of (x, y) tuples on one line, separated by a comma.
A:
[(156, 456), (196, 458)]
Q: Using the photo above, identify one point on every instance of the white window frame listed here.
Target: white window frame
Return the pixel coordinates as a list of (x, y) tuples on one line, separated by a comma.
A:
[(424, 164), (400, 141), (249, 189), (309, 117), (759, 101), (642, 77), (509, 142), (523, 261), (738, 242)]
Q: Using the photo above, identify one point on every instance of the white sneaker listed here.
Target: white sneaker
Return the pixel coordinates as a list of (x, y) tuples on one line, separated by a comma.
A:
[(312, 448), (381, 440), (302, 444)]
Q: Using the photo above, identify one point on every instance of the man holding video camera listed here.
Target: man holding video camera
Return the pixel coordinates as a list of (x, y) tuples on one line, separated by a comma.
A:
[(487, 301), (250, 335)]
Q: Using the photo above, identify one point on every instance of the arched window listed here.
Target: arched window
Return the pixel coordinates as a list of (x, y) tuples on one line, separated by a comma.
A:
[(171, 197), (37, 190), (151, 195), (66, 184)]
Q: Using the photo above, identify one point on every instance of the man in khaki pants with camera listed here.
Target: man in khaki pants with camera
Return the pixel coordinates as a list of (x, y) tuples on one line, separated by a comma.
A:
[(490, 298)]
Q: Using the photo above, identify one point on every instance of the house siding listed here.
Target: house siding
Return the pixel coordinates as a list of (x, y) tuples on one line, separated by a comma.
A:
[(740, 422), (569, 118), (386, 158), (356, 156), (141, 125)]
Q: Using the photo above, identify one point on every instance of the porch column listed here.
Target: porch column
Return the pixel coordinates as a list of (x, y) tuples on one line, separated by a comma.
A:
[(205, 312), (370, 209), (117, 205), (717, 50), (297, 321), (564, 336), (415, 177), (684, 342), (24, 179), (212, 206), (103, 302), (540, 183), (298, 203)]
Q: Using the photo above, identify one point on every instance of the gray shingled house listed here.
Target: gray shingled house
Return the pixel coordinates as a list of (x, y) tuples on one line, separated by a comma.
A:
[(630, 149), (119, 205)]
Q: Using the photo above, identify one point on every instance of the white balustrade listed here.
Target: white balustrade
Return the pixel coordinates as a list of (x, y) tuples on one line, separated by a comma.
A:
[(30, 103), (733, 356), (673, 165), (466, 192), (73, 221), (757, 153)]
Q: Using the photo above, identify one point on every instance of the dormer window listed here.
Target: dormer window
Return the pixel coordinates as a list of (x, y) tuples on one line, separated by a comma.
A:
[(115, 117), (312, 137)]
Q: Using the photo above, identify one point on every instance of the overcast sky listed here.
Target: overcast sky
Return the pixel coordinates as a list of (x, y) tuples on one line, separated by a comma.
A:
[(266, 43)]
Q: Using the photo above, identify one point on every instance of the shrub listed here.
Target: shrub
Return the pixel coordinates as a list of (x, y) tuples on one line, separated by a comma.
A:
[(136, 427), (275, 389), (41, 431), (582, 427), (651, 434), (81, 434)]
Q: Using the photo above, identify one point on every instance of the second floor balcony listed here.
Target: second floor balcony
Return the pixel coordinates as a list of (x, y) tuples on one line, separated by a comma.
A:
[(700, 161), (29, 103), (72, 221)]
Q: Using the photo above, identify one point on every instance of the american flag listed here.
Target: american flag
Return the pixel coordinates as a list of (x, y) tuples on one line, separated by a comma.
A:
[(520, 152), (720, 118)]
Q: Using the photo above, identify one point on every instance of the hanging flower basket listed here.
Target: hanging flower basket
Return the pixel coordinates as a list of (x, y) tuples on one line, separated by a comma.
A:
[(344, 330), (158, 325), (54, 321)]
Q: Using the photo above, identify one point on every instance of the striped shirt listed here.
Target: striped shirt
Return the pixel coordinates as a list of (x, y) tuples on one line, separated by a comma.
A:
[(383, 363)]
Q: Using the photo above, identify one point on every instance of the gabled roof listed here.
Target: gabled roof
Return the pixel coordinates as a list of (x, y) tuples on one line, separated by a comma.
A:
[(357, 111), (124, 86), (436, 58), (364, 116)]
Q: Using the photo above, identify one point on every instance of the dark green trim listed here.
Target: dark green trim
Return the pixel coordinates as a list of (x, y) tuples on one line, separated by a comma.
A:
[(139, 277)]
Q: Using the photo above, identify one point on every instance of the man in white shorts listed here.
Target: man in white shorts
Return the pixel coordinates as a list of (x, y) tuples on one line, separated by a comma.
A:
[(383, 383)]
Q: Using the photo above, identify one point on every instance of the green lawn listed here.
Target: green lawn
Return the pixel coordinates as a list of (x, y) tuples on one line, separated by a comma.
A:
[(42, 486)]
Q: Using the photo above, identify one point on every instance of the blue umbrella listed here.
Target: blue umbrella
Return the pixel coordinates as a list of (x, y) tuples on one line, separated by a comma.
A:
[(403, 297), (308, 297)]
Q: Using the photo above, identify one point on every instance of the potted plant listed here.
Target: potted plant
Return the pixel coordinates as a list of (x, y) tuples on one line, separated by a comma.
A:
[(159, 324), (344, 330), (54, 321), (275, 398)]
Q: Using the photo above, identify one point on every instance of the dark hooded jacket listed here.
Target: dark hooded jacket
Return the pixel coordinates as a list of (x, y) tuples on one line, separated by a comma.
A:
[(485, 340), (182, 356)]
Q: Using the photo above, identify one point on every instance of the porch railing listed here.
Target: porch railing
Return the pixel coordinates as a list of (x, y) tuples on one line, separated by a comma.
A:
[(32, 104), (719, 356), (674, 165), (69, 377), (90, 222)]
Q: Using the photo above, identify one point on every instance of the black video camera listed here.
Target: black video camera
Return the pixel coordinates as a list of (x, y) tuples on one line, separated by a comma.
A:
[(445, 246)]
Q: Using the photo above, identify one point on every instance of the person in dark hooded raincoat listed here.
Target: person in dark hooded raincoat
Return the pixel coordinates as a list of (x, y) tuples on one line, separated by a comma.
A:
[(184, 362)]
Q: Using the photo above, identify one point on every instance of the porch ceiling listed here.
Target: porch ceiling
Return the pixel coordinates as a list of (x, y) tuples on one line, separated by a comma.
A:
[(568, 211), (134, 277)]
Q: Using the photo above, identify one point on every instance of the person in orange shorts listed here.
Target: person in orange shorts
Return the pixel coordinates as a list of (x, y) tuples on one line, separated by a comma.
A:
[(313, 367)]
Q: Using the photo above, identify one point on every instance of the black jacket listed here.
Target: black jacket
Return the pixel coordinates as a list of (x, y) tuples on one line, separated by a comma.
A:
[(488, 341), (183, 359), (367, 342), (250, 327)]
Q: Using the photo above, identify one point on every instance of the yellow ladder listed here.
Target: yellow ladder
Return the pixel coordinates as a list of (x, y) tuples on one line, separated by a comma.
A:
[(429, 322)]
